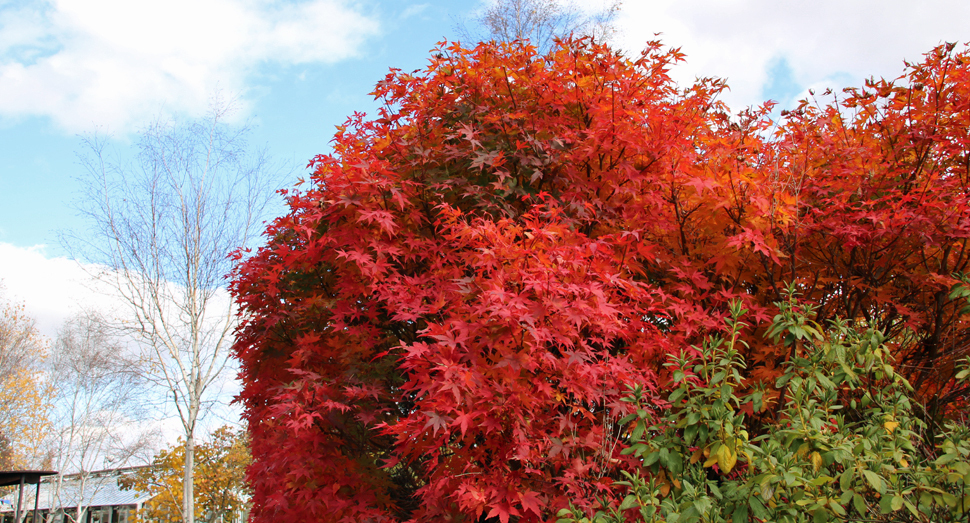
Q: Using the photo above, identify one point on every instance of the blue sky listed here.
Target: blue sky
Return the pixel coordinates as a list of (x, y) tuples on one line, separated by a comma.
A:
[(292, 102), (298, 68)]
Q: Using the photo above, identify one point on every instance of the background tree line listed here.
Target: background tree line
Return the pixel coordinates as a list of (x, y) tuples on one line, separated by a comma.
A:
[(79, 404)]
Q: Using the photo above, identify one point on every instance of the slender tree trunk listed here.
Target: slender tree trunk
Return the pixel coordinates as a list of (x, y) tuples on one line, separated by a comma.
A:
[(81, 509), (167, 226), (188, 480)]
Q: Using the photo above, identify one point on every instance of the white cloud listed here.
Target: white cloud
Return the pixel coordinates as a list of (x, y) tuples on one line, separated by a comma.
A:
[(51, 289), (825, 42), (54, 289), (115, 63)]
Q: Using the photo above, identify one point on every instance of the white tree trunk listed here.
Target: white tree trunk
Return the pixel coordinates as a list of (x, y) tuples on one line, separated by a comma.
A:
[(188, 482), (165, 230)]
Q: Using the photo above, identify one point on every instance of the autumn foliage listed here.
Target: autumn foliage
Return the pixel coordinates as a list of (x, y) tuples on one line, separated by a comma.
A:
[(444, 324), (221, 491), (25, 395)]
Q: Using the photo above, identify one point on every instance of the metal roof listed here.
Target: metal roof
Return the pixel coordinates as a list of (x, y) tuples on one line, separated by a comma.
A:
[(12, 477), (101, 489)]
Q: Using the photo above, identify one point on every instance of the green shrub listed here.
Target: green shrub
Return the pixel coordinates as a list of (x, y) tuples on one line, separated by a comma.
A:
[(846, 443)]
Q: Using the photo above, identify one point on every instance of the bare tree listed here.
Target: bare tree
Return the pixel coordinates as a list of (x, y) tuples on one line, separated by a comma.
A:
[(540, 21), (96, 411), (163, 228)]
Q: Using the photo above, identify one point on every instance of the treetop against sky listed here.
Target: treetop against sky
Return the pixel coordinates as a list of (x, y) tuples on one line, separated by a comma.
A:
[(297, 69), (444, 322)]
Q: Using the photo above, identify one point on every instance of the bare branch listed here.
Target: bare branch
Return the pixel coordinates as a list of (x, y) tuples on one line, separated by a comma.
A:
[(162, 230), (541, 21)]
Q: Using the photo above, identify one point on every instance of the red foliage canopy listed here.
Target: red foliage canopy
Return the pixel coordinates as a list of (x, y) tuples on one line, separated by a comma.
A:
[(442, 326)]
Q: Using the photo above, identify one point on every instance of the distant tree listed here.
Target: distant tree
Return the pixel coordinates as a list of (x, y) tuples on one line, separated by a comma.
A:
[(540, 21), (97, 406), (222, 493), (162, 229), (25, 394)]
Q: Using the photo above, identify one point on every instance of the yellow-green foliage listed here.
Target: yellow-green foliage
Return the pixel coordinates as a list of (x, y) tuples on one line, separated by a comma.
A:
[(846, 443)]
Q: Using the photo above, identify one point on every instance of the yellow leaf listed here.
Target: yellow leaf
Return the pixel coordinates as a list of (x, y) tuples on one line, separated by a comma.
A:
[(816, 461), (726, 458), (890, 425)]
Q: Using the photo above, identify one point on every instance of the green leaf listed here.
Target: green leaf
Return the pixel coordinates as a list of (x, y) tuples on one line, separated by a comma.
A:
[(860, 504), (636, 449), (782, 380), (701, 505), (690, 433), (637, 434), (788, 477), (757, 401), (758, 508), (885, 505), (944, 459), (912, 509), (897, 502), (837, 508), (740, 512), (874, 481), (845, 480), (827, 383), (675, 463), (767, 491), (821, 480), (718, 376), (677, 394), (628, 502), (949, 499)]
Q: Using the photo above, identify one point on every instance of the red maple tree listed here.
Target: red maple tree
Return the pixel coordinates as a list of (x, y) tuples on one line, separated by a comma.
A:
[(442, 326)]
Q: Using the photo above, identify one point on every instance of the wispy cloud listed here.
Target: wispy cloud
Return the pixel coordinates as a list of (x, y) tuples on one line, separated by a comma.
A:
[(413, 10), (114, 63), (825, 42)]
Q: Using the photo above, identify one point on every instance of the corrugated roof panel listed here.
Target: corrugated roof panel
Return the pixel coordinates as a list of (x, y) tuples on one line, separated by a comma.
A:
[(100, 490)]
